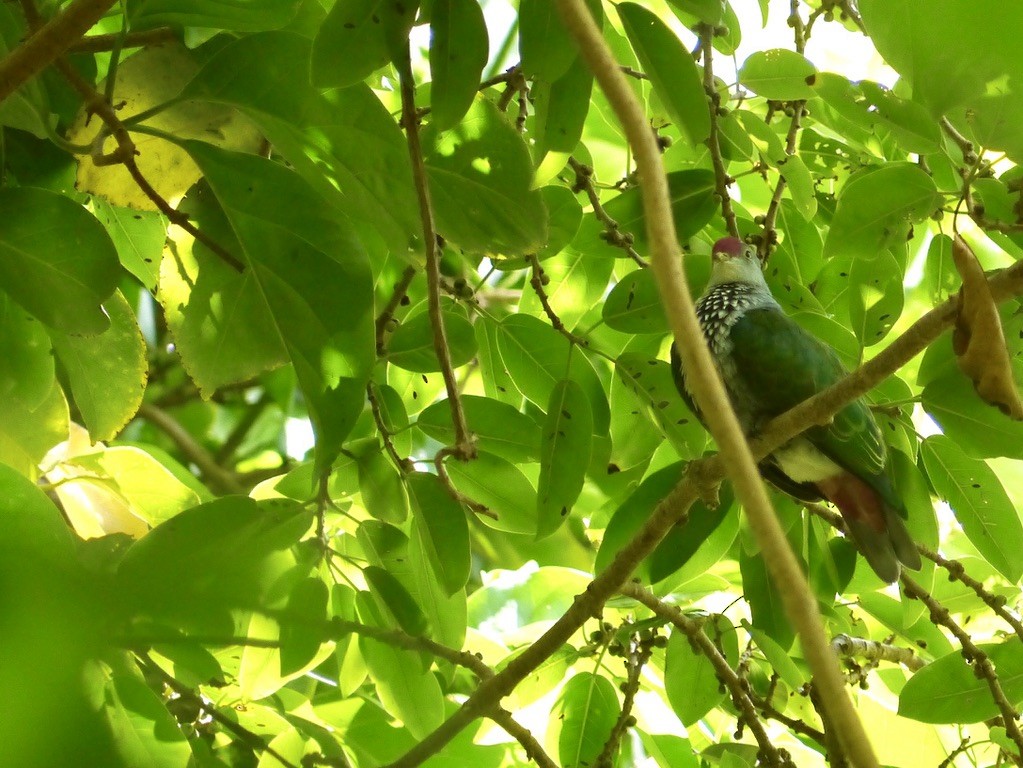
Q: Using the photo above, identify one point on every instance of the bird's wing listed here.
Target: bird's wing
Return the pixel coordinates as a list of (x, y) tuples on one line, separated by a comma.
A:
[(782, 365)]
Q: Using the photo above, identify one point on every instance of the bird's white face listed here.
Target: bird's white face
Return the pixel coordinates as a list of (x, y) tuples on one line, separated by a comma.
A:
[(735, 262)]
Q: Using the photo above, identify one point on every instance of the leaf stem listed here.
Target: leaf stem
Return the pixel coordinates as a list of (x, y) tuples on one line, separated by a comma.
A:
[(465, 446)]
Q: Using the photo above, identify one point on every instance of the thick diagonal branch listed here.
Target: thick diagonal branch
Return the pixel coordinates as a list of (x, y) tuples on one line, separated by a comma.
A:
[(51, 41)]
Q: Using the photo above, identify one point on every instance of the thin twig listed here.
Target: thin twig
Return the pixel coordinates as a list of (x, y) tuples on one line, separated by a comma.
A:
[(534, 752), (49, 43), (638, 654), (537, 283), (464, 446), (724, 672), (125, 155), (220, 479), (957, 571), (612, 234), (253, 740), (721, 177), (404, 465), (241, 429), (983, 668), (445, 478), (387, 313)]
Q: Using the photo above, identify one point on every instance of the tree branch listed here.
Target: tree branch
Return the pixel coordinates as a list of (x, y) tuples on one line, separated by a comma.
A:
[(858, 648), (800, 604), (465, 446), (982, 666), (612, 234), (714, 140), (724, 672), (219, 478), (50, 42), (98, 43)]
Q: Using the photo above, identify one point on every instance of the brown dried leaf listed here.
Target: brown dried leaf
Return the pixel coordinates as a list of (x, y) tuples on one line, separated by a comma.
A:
[(978, 340)]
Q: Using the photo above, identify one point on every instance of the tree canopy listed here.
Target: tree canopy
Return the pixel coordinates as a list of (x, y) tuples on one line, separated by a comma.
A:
[(338, 424)]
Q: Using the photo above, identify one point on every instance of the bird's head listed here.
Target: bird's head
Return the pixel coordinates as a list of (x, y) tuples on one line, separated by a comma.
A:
[(735, 262)]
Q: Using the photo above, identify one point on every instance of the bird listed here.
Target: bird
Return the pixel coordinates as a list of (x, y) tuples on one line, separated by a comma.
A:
[(769, 364)]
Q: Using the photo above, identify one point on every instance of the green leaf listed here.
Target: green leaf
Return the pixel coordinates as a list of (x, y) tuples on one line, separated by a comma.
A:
[(565, 214), (651, 383), (383, 492), (26, 361), (107, 373), (392, 595), (669, 751), (876, 297), (876, 207), (314, 277), (525, 596), (145, 732), (583, 717), (411, 346), (56, 260), (940, 274), (501, 488), (977, 428), (634, 305), (343, 142), (979, 501), (444, 528), (908, 121), (546, 46), (28, 108), (779, 74), (193, 570), (352, 41), (764, 601), (692, 204), (138, 237), (681, 543), (305, 613), (151, 490), (458, 53), (27, 435), (762, 135), (481, 184), (800, 185), (672, 71), (405, 689), (250, 16), (690, 682), (949, 690), (499, 428), (561, 109), (537, 357), (564, 455)]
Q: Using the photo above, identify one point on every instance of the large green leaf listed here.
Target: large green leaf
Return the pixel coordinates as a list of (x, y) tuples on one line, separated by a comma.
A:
[(692, 204), (501, 488), (979, 429), (564, 454), (138, 237), (26, 435), (481, 184), (583, 717), (545, 43), (671, 69), (249, 16), (979, 501), (561, 109), (876, 208), (56, 260), (107, 373), (537, 357), (690, 682), (498, 427), (28, 107), (444, 529), (343, 142), (147, 733), (411, 346), (458, 53), (314, 278), (26, 361), (634, 305), (357, 37), (949, 690), (779, 74)]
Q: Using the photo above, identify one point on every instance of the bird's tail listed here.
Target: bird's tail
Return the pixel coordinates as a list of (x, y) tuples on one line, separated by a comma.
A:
[(876, 527)]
